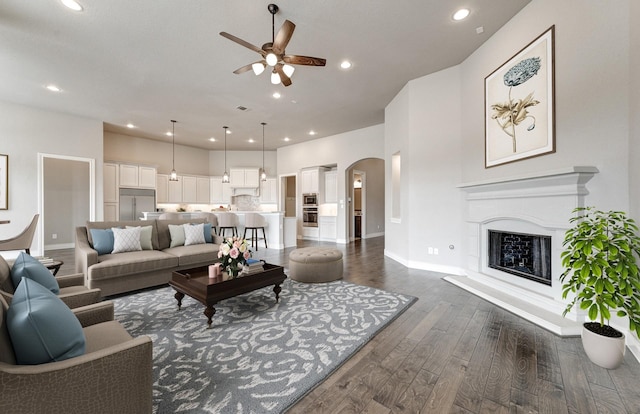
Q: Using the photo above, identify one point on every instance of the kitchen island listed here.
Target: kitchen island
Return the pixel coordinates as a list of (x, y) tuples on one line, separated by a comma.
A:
[(274, 229)]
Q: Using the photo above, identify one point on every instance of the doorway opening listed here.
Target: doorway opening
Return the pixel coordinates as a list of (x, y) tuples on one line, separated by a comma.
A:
[(288, 204)]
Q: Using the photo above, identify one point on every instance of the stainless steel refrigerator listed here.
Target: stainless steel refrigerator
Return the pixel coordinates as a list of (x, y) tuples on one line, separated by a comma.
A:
[(133, 201)]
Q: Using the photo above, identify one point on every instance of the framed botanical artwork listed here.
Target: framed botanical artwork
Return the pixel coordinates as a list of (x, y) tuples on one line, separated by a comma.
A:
[(519, 104), (4, 182)]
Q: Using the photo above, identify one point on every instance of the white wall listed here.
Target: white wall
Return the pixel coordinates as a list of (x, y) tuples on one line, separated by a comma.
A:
[(342, 150), (242, 159), (24, 133), (429, 146), (592, 91), (634, 110)]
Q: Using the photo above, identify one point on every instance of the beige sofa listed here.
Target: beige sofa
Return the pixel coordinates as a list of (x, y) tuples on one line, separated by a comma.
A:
[(124, 272)]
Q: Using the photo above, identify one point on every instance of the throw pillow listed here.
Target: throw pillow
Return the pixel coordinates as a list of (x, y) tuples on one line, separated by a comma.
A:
[(145, 237), (41, 327), (126, 240), (193, 234), (102, 240), (26, 266), (177, 235), (208, 238)]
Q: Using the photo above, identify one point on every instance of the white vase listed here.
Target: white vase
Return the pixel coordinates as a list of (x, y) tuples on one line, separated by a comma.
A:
[(602, 350)]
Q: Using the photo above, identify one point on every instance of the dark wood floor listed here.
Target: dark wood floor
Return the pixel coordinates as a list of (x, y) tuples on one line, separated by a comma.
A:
[(453, 352)]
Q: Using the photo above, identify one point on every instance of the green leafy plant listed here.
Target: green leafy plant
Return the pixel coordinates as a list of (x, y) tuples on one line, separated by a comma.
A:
[(599, 257)]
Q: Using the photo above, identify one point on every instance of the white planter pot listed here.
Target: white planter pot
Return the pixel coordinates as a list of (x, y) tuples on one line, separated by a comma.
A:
[(602, 350)]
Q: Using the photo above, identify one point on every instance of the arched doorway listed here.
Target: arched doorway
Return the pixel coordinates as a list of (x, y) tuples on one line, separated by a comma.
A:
[(365, 194)]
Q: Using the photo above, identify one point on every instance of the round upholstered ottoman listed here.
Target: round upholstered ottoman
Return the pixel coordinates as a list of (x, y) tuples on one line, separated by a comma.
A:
[(315, 264)]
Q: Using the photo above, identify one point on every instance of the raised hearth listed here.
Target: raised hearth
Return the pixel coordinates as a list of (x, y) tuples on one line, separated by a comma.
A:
[(539, 207)]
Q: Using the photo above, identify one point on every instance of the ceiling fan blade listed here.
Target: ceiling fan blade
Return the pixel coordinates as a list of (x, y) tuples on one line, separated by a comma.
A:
[(243, 43), (247, 68), (286, 81), (304, 60), (283, 37)]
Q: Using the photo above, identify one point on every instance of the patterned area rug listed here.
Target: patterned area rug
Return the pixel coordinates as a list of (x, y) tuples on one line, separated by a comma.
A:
[(260, 356)]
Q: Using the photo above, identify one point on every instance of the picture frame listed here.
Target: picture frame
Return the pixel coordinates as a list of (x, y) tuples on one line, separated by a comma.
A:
[(519, 104), (4, 182)]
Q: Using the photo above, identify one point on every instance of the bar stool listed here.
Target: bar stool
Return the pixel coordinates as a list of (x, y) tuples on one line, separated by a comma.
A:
[(253, 222), (227, 221)]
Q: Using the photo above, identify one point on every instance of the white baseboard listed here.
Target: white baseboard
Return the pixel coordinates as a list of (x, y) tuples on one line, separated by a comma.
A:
[(432, 267), (59, 246)]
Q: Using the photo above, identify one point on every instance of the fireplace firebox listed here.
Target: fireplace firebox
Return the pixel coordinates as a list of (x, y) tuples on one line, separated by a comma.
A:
[(523, 255)]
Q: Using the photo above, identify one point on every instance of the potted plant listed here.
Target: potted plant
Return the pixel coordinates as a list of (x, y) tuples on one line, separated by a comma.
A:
[(600, 261)]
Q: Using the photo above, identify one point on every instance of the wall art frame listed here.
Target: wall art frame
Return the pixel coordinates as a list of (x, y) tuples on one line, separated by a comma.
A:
[(4, 182), (519, 104)]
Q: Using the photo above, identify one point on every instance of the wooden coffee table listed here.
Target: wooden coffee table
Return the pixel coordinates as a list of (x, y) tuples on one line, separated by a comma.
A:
[(197, 284)]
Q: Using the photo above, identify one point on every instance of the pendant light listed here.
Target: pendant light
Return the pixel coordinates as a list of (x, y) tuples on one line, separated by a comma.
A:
[(263, 176), (225, 176), (174, 175)]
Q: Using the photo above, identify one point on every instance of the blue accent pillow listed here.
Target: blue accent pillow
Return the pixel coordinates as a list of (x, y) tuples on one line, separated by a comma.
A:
[(26, 266), (102, 240), (41, 327), (207, 233)]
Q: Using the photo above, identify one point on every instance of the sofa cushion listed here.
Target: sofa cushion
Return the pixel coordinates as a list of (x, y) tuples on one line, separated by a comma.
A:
[(194, 254), (102, 240), (26, 266), (164, 236), (41, 327), (131, 263), (5, 276), (177, 235), (208, 237), (193, 234), (126, 240), (146, 233), (123, 224)]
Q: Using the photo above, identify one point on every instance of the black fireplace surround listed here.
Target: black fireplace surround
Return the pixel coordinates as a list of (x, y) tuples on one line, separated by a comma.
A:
[(523, 255)]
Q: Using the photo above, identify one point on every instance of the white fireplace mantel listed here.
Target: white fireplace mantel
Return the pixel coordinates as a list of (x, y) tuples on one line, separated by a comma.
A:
[(537, 203)]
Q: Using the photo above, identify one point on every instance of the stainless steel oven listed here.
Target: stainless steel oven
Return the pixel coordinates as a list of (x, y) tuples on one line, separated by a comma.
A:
[(310, 216), (310, 200)]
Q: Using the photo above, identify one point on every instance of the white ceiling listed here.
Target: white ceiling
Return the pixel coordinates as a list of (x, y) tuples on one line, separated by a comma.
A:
[(150, 61)]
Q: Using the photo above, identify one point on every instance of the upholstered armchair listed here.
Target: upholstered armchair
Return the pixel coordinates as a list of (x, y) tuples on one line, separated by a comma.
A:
[(23, 240), (114, 375), (73, 292)]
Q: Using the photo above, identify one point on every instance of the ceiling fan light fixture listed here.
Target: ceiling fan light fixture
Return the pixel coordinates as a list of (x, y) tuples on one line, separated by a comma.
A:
[(271, 59), (275, 77), (288, 70), (258, 68)]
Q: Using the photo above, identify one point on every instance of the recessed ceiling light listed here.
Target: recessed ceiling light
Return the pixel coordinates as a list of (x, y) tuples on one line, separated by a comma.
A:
[(212, 139), (228, 131), (293, 101), (130, 125), (276, 95), (287, 139), (251, 140), (72, 4), (53, 88), (169, 134), (461, 14), (312, 132), (345, 64)]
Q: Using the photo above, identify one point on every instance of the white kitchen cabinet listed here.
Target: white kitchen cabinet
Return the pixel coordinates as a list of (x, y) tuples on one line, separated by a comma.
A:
[(269, 191), (162, 188), (110, 180), (220, 192), (312, 181), (244, 177), (331, 187), (189, 189), (137, 176), (175, 191), (310, 233), (202, 190), (327, 228), (111, 212), (146, 177)]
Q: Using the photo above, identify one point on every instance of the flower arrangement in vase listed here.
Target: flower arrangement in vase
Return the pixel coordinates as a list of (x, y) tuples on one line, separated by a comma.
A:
[(234, 252)]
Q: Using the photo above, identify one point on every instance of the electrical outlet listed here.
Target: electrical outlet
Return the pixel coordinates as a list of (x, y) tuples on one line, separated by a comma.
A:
[(54, 236), (435, 250), (430, 250)]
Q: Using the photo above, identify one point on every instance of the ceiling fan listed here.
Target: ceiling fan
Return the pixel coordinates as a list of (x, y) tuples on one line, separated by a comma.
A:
[(273, 53)]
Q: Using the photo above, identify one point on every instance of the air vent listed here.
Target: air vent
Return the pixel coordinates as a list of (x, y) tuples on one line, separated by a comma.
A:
[(242, 108)]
